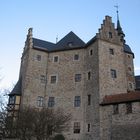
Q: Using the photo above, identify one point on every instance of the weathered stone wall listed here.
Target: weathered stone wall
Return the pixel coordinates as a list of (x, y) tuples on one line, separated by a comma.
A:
[(109, 85), (129, 68), (122, 125), (91, 88)]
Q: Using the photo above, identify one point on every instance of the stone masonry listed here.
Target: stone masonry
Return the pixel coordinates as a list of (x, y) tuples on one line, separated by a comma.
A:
[(93, 81)]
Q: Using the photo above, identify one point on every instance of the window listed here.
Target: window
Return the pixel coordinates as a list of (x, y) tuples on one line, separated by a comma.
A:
[(53, 79), (128, 108), (116, 109), (91, 52), (88, 129), (89, 75), (78, 77), (77, 101), (110, 34), (42, 78), (129, 68), (76, 57), (38, 57), (51, 102), (89, 99), (70, 44), (130, 86), (111, 51), (40, 101), (55, 59), (12, 100), (113, 73), (76, 127)]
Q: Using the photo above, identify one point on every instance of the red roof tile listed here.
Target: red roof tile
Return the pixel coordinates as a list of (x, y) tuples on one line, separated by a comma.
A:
[(132, 96)]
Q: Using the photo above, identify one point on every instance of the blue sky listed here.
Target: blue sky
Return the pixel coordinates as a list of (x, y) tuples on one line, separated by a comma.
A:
[(51, 18)]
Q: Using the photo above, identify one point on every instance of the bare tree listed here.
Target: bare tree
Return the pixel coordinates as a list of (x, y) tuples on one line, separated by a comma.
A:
[(3, 111), (41, 124)]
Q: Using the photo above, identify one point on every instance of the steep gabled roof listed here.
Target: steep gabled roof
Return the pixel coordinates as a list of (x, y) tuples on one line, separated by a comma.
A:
[(44, 45), (70, 41), (17, 89)]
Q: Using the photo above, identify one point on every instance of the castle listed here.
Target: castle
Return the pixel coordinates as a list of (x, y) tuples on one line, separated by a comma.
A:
[(94, 81)]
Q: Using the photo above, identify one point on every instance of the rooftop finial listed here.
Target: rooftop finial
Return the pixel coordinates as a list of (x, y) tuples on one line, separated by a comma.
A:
[(117, 11), (119, 28)]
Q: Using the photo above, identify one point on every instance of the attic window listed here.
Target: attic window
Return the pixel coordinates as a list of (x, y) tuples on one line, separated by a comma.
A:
[(110, 34), (70, 44)]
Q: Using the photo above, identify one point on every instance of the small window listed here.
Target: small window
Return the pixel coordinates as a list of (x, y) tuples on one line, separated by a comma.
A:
[(55, 59), (129, 68), (128, 108), (76, 57), (91, 52), (76, 127), (51, 102), (128, 56), (113, 73), (116, 109), (130, 86), (111, 51), (89, 75), (88, 129), (78, 77), (12, 100), (42, 78), (40, 101), (77, 101), (38, 57), (89, 99), (53, 79), (70, 44), (110, 34)]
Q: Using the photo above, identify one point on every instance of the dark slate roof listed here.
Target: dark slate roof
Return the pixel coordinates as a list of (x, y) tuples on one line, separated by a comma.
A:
[(137, 79), (44, 45), (17, 89), (127, 49), (70, 41)]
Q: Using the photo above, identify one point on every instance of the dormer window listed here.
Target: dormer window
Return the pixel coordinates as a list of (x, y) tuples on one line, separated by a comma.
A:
[(70, 44), (110, 34)]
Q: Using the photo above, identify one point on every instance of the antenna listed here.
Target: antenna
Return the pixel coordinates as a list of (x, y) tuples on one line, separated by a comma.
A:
[(56, 38)]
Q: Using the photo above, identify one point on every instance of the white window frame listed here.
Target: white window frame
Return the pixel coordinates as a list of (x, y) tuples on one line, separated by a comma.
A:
[(54, 58), (74, 57)]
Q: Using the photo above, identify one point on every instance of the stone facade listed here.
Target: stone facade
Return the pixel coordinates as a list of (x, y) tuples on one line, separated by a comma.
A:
[(81, 80)]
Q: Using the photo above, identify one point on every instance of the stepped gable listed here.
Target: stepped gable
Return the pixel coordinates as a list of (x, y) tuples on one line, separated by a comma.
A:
[(108, 32)]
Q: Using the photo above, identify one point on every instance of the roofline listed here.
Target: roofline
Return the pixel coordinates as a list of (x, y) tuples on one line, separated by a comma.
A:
[(43, 49), (121, 102)]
